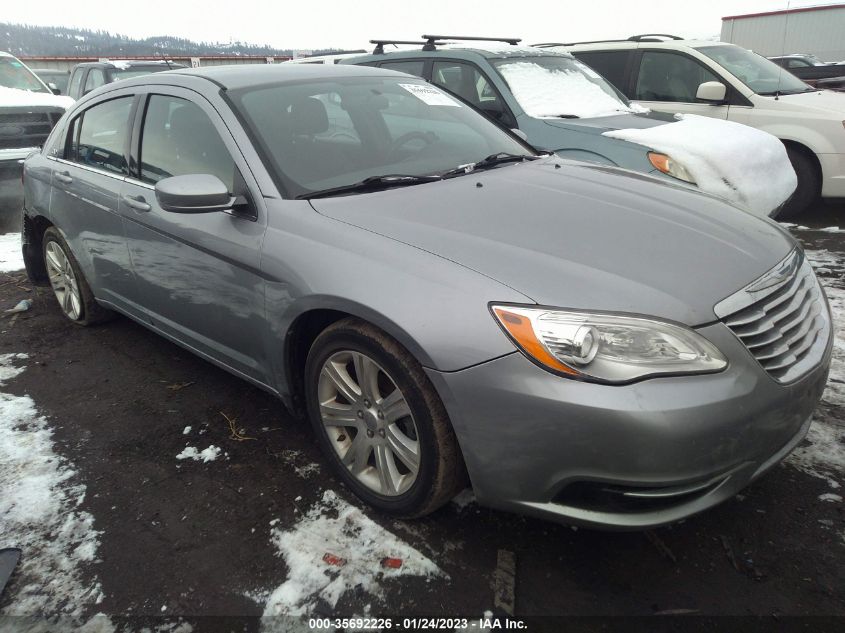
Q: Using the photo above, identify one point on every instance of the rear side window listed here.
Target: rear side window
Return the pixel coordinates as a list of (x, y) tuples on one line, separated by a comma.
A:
[(670, 77), (609, 64), (98, 136), (412, 67), (96, 78), (178, 139)]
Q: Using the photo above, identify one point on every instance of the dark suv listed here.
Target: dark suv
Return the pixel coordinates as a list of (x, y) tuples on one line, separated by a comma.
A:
[(92, 75)]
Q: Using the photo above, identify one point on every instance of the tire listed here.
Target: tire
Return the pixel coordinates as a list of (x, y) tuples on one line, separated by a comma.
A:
[(72, 291), (808, 189), (373, 423)]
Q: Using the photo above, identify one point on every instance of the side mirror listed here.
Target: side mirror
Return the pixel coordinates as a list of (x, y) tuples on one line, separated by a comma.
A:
[(54, 88), (519, 133), (193, 193), (712, 92)]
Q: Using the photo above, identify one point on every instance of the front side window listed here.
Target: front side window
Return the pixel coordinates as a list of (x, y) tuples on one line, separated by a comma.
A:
[(322, 135), (98, 136), (560, 86), (469, 83), (758, 73), (13, 74), (178, 139), (75, 82), (670, 77)]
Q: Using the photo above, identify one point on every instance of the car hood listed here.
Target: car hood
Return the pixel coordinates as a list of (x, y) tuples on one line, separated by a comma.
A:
[(827, 100), (582, 236), (625, 121), (14, 98)]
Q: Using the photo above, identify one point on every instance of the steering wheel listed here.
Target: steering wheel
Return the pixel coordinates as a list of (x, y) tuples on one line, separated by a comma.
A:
[(428, 138)]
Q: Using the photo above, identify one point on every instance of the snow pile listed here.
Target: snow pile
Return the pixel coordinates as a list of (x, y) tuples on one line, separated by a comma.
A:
[(14, 97), (546, 92), (39, 513), (206, 455), (333, 549), (747, 166), (11, 257)]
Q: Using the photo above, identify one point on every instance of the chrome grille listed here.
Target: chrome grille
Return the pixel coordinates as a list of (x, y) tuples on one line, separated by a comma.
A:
[(782, 318), (26, 129)]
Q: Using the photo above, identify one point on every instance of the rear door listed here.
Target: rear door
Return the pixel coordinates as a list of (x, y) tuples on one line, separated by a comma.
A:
[(87, 176), (667, 81), (198, 277)]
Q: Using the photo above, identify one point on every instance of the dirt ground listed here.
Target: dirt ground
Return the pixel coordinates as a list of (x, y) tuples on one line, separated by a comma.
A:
[(195, 538)]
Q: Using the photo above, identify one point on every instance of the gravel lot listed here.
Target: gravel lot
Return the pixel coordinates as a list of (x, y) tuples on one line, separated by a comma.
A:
[(148, 539)]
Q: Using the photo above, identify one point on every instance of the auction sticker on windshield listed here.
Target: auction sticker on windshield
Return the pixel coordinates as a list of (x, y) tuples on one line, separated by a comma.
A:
[(430, 95)]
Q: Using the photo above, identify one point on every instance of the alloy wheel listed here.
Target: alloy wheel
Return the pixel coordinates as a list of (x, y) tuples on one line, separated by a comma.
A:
[(369, 423), (63, 280)]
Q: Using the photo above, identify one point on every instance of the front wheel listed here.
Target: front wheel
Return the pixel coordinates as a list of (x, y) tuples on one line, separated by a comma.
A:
[(380, 422), (808, 189)]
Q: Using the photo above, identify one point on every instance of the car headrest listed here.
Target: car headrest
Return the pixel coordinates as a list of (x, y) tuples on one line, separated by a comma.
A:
[(308, 116)]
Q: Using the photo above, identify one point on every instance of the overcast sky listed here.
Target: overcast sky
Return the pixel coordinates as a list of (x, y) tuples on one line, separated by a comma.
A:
[(352, 23)]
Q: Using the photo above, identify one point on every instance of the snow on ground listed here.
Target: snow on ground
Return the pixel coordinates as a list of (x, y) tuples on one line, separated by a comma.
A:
[(747, 166), (335, 548), (823, 453), (11, 258), (40, 514), (206, 455), (545, 92)]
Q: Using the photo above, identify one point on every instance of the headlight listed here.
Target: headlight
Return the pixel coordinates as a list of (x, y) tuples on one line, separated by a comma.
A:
[(606, 347), (670, 166)]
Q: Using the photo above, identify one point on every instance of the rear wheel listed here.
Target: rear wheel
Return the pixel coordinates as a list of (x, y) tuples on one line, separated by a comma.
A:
[(808, 189), (380, 422), (72, 291)]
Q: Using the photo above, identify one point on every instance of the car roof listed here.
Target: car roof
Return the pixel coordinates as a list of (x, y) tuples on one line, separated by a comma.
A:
[(130, 63), (629, 44), (236, 76), (492, 50)]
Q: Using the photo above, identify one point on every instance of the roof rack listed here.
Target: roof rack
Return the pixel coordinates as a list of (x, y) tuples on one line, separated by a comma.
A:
[(360, 50), (379, 49), (432, 40), (549, 44), (651, 37)]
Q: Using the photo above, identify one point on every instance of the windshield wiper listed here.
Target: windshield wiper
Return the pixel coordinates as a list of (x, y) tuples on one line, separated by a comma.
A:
[(491, 161), (373, 183), (567, 116)]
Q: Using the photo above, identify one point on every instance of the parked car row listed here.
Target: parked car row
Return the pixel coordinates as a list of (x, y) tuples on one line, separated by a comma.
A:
[(560, 104), (446, 304), (828, 75)]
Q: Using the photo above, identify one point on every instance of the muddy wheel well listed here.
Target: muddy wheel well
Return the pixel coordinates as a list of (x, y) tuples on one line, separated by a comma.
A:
[(33, 235), (301, 335)]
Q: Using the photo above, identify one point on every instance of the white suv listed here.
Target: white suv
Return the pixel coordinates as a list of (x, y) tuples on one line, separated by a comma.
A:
[(720, 80)]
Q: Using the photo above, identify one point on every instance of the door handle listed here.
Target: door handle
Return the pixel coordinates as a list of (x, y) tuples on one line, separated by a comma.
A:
[(137, 202), (63, 177)]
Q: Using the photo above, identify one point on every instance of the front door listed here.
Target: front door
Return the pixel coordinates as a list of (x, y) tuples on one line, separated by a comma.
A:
[(668, 82), (198, 277)]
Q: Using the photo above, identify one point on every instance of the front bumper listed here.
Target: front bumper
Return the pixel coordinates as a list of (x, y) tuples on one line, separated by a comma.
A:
[(624, 457)]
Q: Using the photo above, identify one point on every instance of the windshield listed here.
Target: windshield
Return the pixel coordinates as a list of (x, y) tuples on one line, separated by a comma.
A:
[(560, 86), (758, 73), (13, 74), (328, 134)]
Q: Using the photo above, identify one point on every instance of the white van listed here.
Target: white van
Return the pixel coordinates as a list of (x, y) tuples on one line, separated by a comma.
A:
[(720, 80)]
